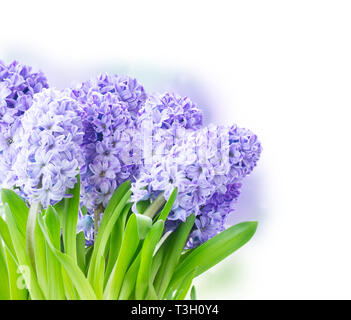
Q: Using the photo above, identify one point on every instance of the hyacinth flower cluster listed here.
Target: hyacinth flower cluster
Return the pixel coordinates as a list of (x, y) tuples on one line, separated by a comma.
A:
[(117, 146), (207, 168), (107, 187), (110, 143), (164, 120), (49, 155), (18, 84)]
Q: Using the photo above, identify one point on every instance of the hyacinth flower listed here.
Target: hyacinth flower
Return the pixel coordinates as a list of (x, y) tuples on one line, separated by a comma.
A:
[(163, 121), (111, 140), (207, 169), (18, 84), (125, 88), (49, 157)]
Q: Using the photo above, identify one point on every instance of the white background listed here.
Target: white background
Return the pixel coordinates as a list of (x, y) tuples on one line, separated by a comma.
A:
[(280, 68)]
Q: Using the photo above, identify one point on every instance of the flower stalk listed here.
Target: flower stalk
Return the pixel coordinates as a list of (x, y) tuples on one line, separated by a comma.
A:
[(155, 206)]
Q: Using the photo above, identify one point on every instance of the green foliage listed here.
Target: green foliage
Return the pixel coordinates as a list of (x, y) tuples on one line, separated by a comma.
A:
[(43, 257)]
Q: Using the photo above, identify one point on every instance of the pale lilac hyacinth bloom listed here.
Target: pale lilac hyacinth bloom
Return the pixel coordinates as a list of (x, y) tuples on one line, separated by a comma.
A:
[(164, 121), (49, 156), (125, 88), (111, 140), (207, 168), (18, 84)]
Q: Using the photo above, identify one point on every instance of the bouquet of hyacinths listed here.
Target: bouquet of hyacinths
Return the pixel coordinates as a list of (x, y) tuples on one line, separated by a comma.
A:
[(112, 193)]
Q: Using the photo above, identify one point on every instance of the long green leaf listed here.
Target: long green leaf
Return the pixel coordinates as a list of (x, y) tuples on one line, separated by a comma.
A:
[(129, 246), (54, 269), (144, 225), (129, 280), (16, 292), (24, 263), (214, 250), (81, 284), (67, 284), (40, 259), (81, 250), (168, 206), (193, 293), (5, 235), (4, 276), (88, 253), (34, 210), (184, 286), (111, 214), (158, 259), (147, 252), (54, 275), (70, 220), (116, 241), (18, 208), (151, 294), (177, 242)]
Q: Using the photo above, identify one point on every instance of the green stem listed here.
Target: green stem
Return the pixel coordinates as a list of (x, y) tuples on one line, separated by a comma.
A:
[(35, 208), (97, 213), (155, 206)]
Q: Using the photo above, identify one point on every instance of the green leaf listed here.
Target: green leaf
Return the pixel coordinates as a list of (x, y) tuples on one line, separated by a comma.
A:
[(88, 253), (52, 222), (18, 208), (184, 286), (176, 242), (77, 277), (40, 259), (158, 258), (34, 210), (151, 294), (54, 275), (142, 206), (193, 293), (214, 250), (185, 253), (24, 263), (5, 235), (129, 280), (54, 269), (129, 246), (4, 276), (16, 292), (70, 220), (60, 208), (116, 241), (147, 252), (144, 225), (168, 206), (111, 214), (81, 250), (67, 284)]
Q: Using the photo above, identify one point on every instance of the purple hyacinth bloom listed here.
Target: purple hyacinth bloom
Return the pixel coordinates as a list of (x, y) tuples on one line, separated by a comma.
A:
[(171, 110), (126, 90), (49, 157), (18, 84), (22, 84), (164, 121), (207, 167), (111, 139)]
